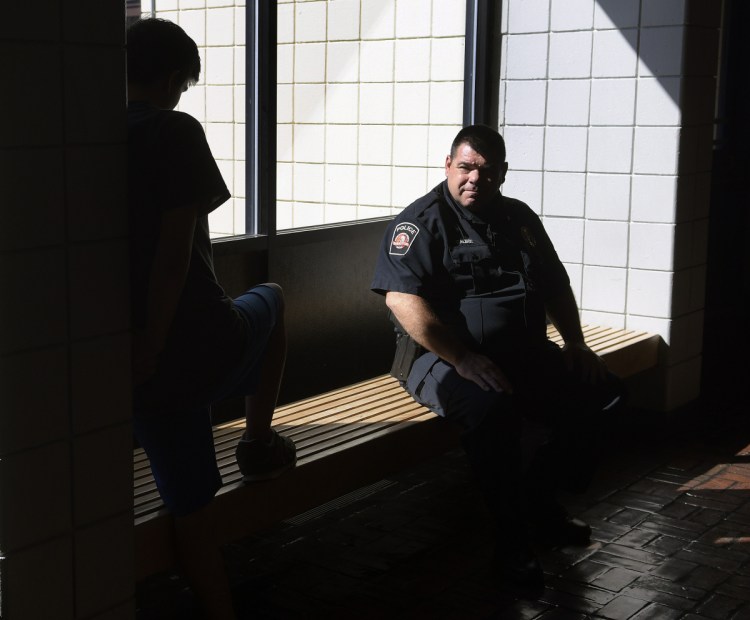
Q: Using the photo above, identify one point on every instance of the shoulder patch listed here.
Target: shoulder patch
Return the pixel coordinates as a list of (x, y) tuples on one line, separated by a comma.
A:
[(403, 236)]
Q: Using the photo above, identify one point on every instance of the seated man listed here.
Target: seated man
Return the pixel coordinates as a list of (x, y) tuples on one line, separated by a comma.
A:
[(468, 275), (193, 346)]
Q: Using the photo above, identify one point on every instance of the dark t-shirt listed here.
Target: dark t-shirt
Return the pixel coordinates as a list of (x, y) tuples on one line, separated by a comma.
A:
[(170, 166), (489, 279)]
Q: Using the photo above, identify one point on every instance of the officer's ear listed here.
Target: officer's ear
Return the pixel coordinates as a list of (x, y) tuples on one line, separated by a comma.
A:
[(447, 164), (503, 172)]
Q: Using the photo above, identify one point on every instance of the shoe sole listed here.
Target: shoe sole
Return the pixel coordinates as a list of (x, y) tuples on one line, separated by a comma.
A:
[(270, 475)]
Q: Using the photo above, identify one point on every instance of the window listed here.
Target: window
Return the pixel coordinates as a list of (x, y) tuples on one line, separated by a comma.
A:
[(369, 94)]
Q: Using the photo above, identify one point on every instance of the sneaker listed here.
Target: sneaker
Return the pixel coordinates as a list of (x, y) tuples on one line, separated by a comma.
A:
[(259, 460)]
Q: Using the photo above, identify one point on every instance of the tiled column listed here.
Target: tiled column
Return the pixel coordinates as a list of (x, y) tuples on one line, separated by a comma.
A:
[(66, 526), (607, 109)]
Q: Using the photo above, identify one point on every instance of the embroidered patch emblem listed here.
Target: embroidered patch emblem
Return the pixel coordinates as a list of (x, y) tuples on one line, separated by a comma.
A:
[(528, 237), (403, 237)]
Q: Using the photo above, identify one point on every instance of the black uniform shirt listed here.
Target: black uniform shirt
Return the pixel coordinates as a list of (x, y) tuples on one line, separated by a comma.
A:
[(488, 279)]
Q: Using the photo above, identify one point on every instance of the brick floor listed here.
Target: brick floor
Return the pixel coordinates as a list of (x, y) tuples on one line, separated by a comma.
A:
[(670, 511)]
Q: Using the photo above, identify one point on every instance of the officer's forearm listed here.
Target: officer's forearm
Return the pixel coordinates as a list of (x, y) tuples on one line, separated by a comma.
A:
[(563, 312), (418, 319)]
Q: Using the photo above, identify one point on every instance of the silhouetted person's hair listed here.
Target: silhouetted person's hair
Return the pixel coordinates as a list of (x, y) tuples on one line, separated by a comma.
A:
[(483, 139), (156, 48)]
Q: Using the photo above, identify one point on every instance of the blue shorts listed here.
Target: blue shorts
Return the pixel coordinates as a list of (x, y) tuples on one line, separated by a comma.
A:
[(180, 444)]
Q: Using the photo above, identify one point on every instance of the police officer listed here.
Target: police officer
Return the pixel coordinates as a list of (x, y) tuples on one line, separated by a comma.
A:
[(470, 277)]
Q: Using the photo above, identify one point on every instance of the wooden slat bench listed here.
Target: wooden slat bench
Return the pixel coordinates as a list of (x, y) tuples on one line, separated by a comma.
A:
[(346, 439)]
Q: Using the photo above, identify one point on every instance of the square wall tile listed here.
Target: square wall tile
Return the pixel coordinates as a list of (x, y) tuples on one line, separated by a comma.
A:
[(652, 246), (310, 62), (567, 237), (526, 56), (411, 103), (525, 102), (219, 67), (95, 192), (375, 186), (310, 21), (528, 16), (103, 474), (565, 149), (661, 327), (615, 53), (608, 196), (613, 101), (526, 187), (610, 149), (341, 104), (658, 101), (41, 123), (220, 104), (22, 400), (101, 583), (447, 61), (603, 289), (377, 19), (95, 100), (309, 143), (572, 15), (49, 564), (192, 22), (31, 315), (375, 103), (663, 13), (606, 243), (341, 184), (341, 144), (575, 274), (285, 63), (309, 182), (412, 19), (412, 61), (375, 144), (568, 102), (193, 102), (220, 137), (654, 198), (650, 293), (525, 147), (408, 185), (661, 51), (616, 14), (284, 215), (343, 20), (29, 517), (410, 145), (99, 279), (284, 175), (308, 214), (448, 18), (570, 54), (656, 150), (310, 101), (100, 382), (564, 194), (220, 26), (342, 64), (32, 178), (335, 213), (284, 23), (446, 102), (605, 319), (376, 61), (439, 140)]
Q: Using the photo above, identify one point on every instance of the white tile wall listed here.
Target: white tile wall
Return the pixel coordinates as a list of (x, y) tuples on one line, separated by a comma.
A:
[(610, 149), (525, 147), (656, 150), (652, 246), (565, 149), (412, 60), (568, 102), (572, 15), (525, 102), (661, 51), (608, 196), (567, 236), (614, 53), (343, 20), (654, 198), (606, 243), (616, 14), (658, 102), (564, 194), (604, 289), (528, 15), (526, 56), (413, 19), (570, 55), (650, 293), (613, 101)]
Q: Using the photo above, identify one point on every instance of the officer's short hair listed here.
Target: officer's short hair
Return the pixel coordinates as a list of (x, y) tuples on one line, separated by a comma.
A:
[(483, 139), (156, 48)]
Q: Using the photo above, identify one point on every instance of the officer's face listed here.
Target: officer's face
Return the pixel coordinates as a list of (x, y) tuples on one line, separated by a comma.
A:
[(473, 181)]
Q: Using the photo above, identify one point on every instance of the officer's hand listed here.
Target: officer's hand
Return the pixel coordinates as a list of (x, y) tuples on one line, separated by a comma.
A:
[(484, 372), (579, 358)]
